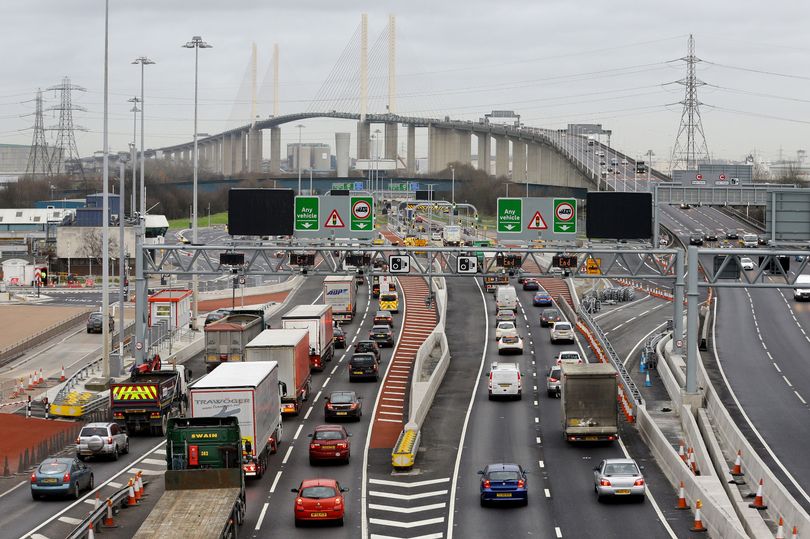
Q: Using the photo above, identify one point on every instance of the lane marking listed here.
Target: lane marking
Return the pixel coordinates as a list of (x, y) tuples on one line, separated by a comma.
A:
[(558, 532), (275, 481), (537, 440), (541, 463), (287, 455), (298, 431), (306, 415), (18, 485), (787, 381), (261, 516), (547, 492)]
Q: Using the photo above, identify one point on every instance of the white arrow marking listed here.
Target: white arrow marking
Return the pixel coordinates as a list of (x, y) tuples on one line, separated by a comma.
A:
[(408, 485), (407, 510), (407, 497), (414, 524), (306, 225), (509, 227), (360, 225), (428, 536)]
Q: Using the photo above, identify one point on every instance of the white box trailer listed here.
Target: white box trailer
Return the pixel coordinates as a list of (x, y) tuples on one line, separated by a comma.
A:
[(317, 319), (250, 392), (290, 349), (339, 292)]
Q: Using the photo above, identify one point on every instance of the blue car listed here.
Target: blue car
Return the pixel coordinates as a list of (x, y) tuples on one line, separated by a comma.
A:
[(542, 299), (504, 483), (61, 477)]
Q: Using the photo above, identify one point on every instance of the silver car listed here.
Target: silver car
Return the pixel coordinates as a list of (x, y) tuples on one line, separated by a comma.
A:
[(562, 331), (553, 381), (102, 439), (618, 477)]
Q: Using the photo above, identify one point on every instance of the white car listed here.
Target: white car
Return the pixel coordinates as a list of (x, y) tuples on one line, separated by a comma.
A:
[(561, 331), (746, 263), (568, 356), (504, 328), (510, 343), (436, 236)]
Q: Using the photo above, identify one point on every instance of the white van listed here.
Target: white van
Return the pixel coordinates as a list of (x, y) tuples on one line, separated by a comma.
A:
[(504, 381), (802, 290), (749, 240), (506, 298)]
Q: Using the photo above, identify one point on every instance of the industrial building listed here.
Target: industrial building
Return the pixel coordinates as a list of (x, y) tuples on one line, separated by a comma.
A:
[(315, 156)]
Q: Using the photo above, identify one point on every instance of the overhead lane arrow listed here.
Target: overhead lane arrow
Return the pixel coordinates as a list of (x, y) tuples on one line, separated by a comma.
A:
[(509, 227)]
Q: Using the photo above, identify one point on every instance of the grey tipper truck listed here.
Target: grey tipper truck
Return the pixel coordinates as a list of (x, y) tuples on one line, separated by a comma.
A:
[(589, 407)]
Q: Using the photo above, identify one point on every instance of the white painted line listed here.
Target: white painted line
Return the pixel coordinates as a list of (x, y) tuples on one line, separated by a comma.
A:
[(389, 420), (399, 407), (399, 414), (113, 484), (411, 484), (412, 524), (287, 455), (777, 367), (547, 492), (70, 520), (275, 481), (309, 411), (541, 463), (407, 497), (335, 368), (392, 399), (390, 392), (800, 397), (537, 420), (156, 462), (146, 472), (261, 516), (298, 431), (317, 396), (407, 510), (18, 485), (558, 532), (787, 381), (159, 451), (538, 440), (535, 403)]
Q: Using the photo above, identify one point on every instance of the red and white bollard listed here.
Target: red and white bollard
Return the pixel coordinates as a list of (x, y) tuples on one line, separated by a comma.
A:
[(62, 376)]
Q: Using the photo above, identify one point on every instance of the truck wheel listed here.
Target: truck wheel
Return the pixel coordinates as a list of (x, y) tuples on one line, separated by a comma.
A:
[(161, 429)]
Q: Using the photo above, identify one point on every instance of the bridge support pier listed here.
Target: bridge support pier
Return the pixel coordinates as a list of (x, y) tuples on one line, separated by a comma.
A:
[(217, 146), (342, 143), (462, 147), (533, 163), (501, 155), (275, 151), (363, 142), (391, 140), (227, 155), (518, 161), (241, 156), (255, 151), (484, 152), (411, 159)]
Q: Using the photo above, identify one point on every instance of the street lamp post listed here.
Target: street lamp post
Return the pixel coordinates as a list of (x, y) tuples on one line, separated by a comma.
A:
[(196, 43), (452, 194), (377, 163), (144, 61), (298, 156), (135, 110), (650, 155)]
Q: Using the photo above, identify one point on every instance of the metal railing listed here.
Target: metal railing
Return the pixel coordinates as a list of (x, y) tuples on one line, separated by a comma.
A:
[(95, 517), (629, 386)]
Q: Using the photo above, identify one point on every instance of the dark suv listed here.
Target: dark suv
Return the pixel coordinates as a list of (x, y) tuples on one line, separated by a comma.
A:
[(368, 347), (94, 322), (382, 335), (363, 367)]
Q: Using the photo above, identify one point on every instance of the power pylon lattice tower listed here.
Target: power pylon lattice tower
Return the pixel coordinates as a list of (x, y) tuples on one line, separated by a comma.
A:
[(690, 143), (39, 159), (65, 157)]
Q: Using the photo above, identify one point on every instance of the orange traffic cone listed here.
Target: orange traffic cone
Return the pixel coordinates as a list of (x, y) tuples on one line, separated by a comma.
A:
[(780, 530), (698, 525), (90, 533), (758, 502), (681, 452), (795, 534), (736, 470), (30, 382), (97, 503), (692, 462), (131, 500), (139, 492), (682, 499), (108, 520), (62, 376), (136, 487), (41, 379)]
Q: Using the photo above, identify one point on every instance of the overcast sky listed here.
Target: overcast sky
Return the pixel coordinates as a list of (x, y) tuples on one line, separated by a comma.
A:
[(552, 61)]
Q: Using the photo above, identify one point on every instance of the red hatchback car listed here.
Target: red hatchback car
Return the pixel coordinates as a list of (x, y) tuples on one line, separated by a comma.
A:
[(319, 500), (329, 442)]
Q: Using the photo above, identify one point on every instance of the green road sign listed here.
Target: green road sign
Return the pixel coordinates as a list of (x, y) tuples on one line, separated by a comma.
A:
[(362, 212), (403, 186), (306, 213), (510, 215), (342, 186), (565, 216)]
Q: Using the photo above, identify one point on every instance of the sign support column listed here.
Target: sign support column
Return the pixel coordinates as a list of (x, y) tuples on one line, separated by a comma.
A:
[(692, 321), (677, 318)]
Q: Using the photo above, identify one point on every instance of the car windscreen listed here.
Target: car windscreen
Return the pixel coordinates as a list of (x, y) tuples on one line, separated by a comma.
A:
[(624, 468), (504, 475), (53, 467), (364, 346), (550, 313), (362, 361), (565, 327), (504, 376), (388, 297), (93, 431), (569, 355), (317, 492), (506, 325), (328, 435), (380, 329), (341, 398)]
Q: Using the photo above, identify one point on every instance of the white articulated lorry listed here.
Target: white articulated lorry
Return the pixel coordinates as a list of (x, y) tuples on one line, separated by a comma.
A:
[(317, 319), (249, 392)]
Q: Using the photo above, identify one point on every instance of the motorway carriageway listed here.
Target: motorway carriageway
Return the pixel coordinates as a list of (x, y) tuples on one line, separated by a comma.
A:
[(761, 349)]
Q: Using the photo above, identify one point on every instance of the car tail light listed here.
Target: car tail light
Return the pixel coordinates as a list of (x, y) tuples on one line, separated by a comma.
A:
[(342, 445), (313, 446), (487, 484), (118, 415), (639, 482), (328, 405), (109, 439), (552, 379), (299, 501), (223, 357), (66, 478), (521, 483), (604, 483), (78, 440), (337, 501), (353, 405), (34, 477)]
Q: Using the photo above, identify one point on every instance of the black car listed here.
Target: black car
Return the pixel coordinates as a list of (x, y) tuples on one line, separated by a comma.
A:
[(368, 347), (94, 323), (340, 337), (363, 367), (549, 316), (531, 284), (711, 236), (215, 316), (732, 234), (696, 238), (343, 405), (383, 318), (762, 240), (382, 335)]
